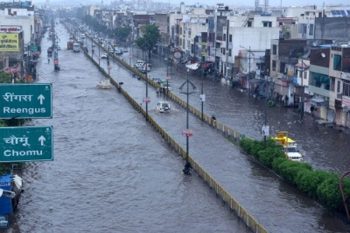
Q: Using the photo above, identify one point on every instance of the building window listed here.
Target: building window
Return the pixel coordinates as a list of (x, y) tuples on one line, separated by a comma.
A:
[(267, 24), (338, 86), (319, 80), (346, 88), (223, 51), (311, 30), (273, 65), (337, 62), (230, 52), (274, 49), (230, 38), (283, 69), (332, 88)]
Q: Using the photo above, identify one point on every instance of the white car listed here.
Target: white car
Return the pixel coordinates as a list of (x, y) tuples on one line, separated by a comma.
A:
[(163, 106), (118, 51), (165, 86), (139, 63), (293, 153), (104, 56)]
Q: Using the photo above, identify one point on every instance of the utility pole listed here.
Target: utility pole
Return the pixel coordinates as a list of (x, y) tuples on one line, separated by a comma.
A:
[(99, 54), (248, 82), (187, 132), (266, 128), (108, 63), (303, 91), (92, 49), (147, 100), (226, 47), (202, 96)]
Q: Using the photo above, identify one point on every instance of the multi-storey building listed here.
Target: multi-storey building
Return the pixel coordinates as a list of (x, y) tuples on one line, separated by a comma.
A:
[(339, 93), (245, 40), (19, 14), (161, 20)]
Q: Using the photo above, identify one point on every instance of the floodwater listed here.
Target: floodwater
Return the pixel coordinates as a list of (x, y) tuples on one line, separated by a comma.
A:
[(111, 171), (278, 206)]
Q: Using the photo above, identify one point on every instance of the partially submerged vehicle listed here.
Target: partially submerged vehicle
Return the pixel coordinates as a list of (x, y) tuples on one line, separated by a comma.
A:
[(290, 147), (163, 106), (104, 84)]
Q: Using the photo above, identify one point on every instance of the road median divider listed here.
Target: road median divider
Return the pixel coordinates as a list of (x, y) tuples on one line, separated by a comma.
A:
[(228, 198)]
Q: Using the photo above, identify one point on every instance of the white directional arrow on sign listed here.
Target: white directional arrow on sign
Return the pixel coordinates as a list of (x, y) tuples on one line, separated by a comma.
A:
[(41, 98), (42, 140)]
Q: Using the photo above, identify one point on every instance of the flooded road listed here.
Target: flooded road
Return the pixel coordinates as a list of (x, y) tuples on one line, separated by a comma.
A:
[(111, 171), (278, 206), (324, 148)]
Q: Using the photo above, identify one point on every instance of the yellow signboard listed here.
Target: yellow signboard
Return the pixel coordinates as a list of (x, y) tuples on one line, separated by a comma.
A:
[(9, 42)]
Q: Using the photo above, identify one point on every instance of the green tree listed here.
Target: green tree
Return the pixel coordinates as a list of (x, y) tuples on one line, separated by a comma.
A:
[(122, 33), (5, 77), (150, 38)]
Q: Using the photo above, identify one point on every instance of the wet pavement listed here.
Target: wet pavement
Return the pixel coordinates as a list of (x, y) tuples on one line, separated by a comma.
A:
[(324, 148), (111, 172), (278, 206)]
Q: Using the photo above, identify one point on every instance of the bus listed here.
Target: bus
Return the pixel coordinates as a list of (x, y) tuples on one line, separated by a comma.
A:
[(76, 47)]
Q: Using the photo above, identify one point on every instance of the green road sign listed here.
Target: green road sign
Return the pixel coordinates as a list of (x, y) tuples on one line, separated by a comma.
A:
[(21, 144), (25, 101)]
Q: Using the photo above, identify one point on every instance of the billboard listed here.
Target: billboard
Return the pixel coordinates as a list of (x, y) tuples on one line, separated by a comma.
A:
[(9, 42)]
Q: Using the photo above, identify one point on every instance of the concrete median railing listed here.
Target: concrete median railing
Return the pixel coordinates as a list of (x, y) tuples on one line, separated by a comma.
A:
[(227, 131), (233, 204)]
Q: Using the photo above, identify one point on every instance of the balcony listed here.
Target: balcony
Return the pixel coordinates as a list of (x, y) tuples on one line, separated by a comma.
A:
[(319, 91), (344, 75)]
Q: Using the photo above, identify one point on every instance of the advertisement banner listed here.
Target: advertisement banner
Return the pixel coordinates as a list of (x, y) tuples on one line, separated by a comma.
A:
[(9, 42)]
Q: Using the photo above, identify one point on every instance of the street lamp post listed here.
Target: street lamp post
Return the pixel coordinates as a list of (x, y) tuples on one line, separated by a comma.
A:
[(99, 54), (266, 128), (187, 132), (248, 71), (303, 90), (92, 49), (108, 63), (202, 96), (147, 100), (130, 54)]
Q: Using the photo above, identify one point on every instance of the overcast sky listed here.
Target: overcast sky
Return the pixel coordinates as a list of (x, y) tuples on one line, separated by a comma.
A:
[(231, 2), (271, 2)]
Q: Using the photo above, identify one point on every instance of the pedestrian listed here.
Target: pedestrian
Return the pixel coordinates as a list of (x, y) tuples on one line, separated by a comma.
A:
[(287, 100), (213, 121)]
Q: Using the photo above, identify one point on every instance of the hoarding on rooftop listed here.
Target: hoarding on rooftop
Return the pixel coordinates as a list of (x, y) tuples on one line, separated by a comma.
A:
[(9, 42)]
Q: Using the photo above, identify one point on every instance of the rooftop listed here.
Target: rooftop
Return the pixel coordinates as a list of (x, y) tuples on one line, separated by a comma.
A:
[(25, 5)]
